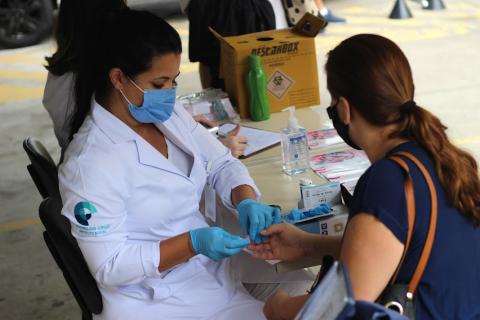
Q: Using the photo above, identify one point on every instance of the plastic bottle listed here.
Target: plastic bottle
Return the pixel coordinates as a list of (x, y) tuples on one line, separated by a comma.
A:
[(294, 146), (257, 90)]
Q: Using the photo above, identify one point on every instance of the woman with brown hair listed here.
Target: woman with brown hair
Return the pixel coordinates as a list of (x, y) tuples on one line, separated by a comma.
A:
[(373, 108)]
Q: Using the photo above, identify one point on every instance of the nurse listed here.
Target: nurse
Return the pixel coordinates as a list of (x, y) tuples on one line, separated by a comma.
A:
[(132, 179), (374, 109)]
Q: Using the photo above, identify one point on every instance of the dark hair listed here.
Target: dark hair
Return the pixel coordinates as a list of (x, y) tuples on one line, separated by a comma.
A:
[(129, 41), (77, 21), (374, 75)]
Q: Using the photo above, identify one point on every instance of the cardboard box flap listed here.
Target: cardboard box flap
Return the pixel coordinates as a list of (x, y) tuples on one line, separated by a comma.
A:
[(218, 36), (247, 41), (264, 43)]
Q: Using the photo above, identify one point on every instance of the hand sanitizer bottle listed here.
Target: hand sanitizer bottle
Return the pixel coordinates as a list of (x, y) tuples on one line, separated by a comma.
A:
[(294, 146)]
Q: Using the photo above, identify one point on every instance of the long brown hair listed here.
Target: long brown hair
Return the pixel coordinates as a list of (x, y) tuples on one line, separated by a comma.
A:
[(374, 75)]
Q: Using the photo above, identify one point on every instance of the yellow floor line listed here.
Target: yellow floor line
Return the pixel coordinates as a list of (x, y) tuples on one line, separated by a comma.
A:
[(11, 93), (19, 224), (23, 59), (23, 75)]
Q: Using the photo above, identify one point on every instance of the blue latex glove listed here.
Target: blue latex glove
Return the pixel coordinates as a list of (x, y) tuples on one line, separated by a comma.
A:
[(255, 217), (216, 243), (297, 214)]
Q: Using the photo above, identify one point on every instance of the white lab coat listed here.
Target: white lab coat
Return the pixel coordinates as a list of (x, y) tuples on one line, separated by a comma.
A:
[(140, 198)]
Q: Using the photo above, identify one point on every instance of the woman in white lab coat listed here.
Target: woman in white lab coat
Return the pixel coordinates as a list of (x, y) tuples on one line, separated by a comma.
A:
[(132, 179)]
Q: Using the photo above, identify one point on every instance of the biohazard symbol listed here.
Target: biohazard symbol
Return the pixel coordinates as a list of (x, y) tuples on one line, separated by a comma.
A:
[(278, 84)]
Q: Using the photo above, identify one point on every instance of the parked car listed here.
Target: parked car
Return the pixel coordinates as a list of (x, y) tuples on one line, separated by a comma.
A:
[(27, 22)]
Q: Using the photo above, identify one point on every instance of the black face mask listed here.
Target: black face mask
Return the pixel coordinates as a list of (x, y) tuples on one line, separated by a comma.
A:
[(342, 129)]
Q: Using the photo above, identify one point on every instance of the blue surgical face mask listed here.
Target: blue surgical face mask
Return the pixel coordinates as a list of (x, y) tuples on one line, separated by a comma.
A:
[(157, 105)]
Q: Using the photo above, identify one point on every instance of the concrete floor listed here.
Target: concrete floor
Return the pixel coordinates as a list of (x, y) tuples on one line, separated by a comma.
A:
[(443, 48)]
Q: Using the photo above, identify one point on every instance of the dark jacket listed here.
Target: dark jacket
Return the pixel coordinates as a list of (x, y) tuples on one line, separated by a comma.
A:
[(228, 18)]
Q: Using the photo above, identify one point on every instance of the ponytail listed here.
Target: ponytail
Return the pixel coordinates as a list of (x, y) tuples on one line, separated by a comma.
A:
[(89, 61), (457, 170)]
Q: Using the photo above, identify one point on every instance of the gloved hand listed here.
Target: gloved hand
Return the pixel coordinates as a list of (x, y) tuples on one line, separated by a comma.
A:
[(297, 214), (255, 217), (216, 243)]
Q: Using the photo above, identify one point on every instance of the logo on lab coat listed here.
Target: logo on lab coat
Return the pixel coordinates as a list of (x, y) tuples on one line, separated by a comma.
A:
[(84, 210)]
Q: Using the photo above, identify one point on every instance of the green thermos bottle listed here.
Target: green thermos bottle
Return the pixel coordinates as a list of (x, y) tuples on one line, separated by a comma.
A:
[(257, 90)]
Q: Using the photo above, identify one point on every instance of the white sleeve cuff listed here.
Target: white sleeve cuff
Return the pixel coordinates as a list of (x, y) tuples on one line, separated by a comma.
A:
[(151, 259)]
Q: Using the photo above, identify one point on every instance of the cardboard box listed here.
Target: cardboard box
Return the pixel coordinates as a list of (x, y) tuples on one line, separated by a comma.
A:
[(332, 225), (288, 58), (314, 195)]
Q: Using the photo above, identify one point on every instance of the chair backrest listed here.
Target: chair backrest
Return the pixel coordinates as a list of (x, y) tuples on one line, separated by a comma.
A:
[(43, 170), (69, 258)]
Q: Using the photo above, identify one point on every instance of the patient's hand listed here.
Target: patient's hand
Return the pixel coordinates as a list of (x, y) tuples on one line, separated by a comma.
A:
[(285, 242)]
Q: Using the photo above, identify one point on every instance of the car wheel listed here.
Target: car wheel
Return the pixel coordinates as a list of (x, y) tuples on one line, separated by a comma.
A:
[(24, 22)]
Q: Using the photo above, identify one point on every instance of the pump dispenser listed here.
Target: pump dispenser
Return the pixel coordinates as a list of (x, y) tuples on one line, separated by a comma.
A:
[(292, 120), (294, 146)]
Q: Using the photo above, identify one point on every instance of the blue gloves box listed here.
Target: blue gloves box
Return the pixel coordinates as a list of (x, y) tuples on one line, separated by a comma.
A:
[(331, 224)]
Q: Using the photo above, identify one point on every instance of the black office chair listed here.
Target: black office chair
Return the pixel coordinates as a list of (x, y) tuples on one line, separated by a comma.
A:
[(69, 258), (42, 169)]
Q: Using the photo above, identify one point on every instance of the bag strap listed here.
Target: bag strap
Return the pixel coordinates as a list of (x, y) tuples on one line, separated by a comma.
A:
[(409, 195)]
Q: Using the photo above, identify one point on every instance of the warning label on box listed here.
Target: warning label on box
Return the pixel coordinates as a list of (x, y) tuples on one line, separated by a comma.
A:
[(278, 84)]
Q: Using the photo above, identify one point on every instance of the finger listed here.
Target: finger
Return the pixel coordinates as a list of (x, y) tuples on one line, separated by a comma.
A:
[(260, 227), (266, 246), (268, 217), (238, 150), (242, 139), (236, 242), (264, 255), (234, 132), (232, 251), (274, 229), (256, 247), (277, 216), (244, 224), (268, 222), (241, 147), (253, 226)]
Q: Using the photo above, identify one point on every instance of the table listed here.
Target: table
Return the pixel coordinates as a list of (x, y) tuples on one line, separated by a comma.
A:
[(275, 186)]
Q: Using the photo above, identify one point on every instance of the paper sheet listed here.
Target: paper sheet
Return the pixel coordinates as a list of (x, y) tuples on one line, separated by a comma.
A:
[(257, 139), (345, 167), (322, 138)]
